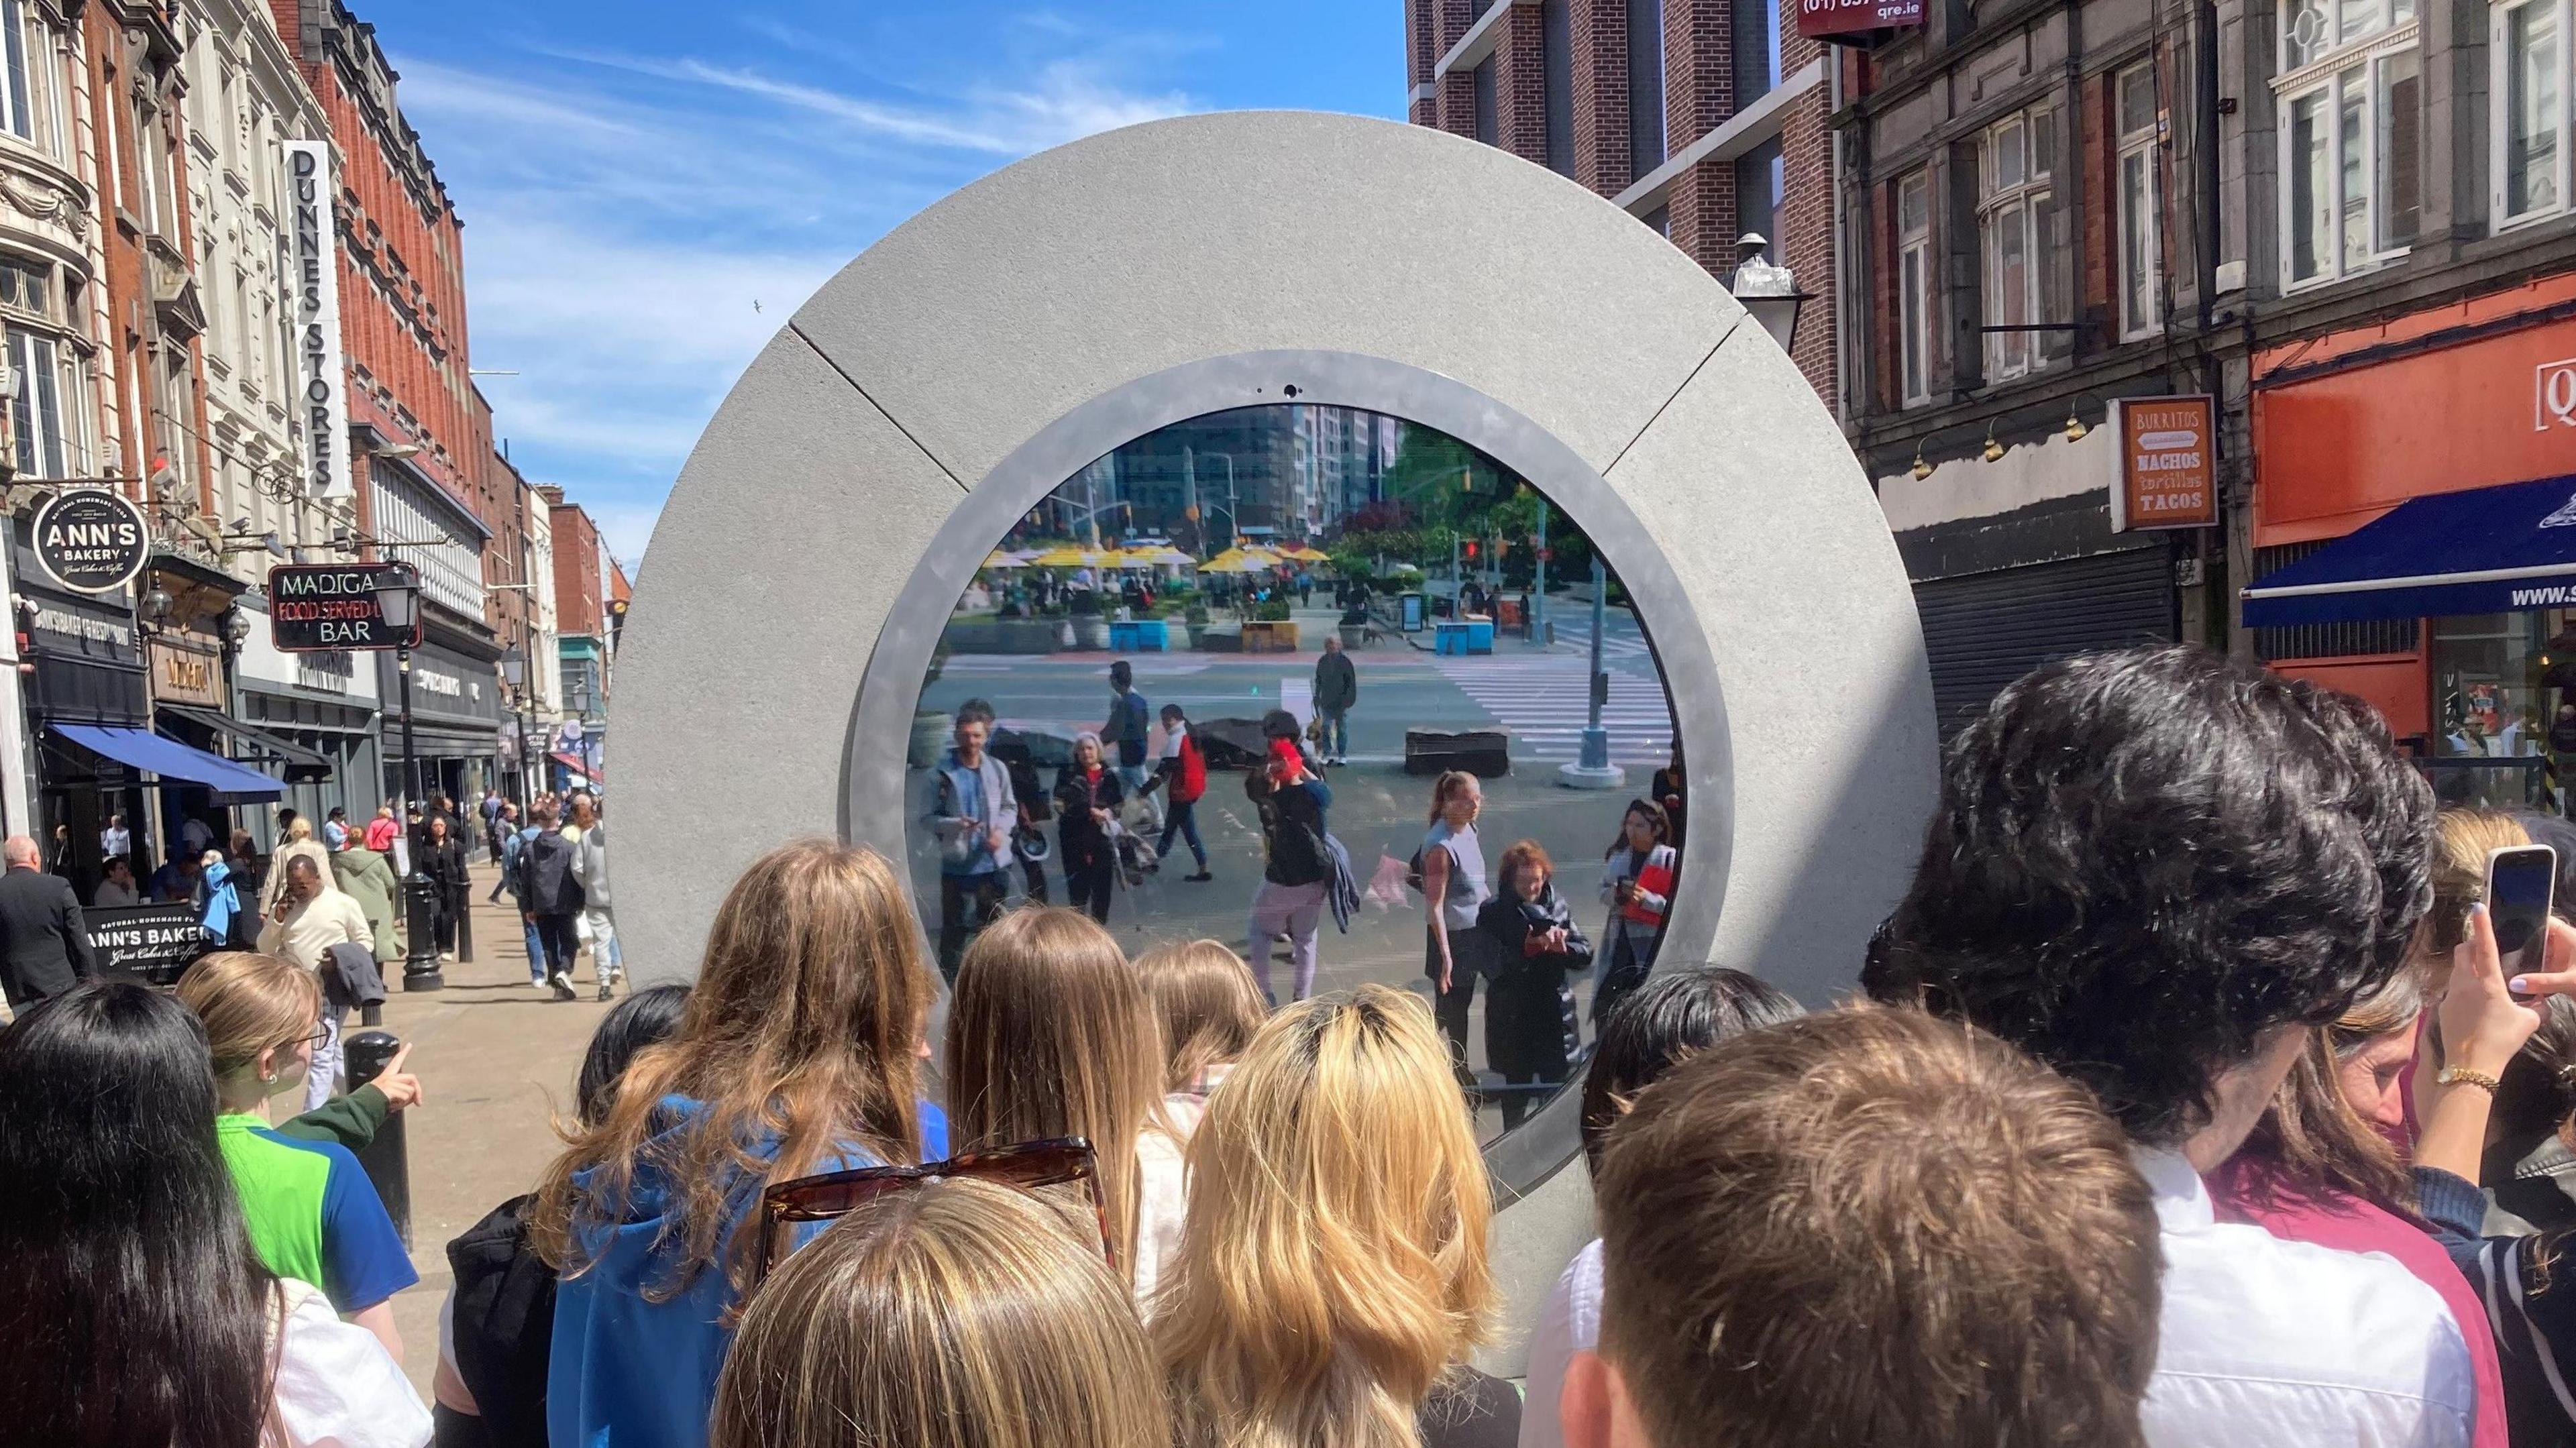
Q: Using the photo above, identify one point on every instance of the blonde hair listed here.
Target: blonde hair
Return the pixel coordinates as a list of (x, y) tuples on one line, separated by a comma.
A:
[(1210, 1007), (2461, 843), (1050, 1035), (249, 1002), (959, 1314), (298, 829), (1333, 1268), (800, 1032)]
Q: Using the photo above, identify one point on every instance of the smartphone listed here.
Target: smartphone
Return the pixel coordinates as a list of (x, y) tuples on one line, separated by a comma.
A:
[(2521, 879)]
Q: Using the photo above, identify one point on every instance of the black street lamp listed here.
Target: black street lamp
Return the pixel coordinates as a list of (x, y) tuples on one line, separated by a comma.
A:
[(398, 599), (1769, 292), (514, 676)]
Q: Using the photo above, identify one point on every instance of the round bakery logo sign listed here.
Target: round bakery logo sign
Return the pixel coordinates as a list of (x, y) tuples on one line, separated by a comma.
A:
[(92, 540)]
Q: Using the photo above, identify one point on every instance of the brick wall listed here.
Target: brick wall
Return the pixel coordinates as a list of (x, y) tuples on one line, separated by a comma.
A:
[(1520, 84), (1803, 232), (1458, 103), (577, 601), (1599, 30)]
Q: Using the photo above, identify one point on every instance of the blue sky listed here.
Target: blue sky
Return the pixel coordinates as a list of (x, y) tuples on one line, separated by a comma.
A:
[(634, 177)]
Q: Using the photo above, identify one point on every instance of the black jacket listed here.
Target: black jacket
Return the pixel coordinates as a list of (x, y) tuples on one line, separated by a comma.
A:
[(44, 948), (1079, 835), (1530, 1025), (445, 864), (1292, 830), (504, 1323), (547, 885), (1337, 683)]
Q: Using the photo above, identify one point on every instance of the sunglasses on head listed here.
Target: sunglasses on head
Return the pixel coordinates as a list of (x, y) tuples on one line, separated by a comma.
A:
[(833, 1195)]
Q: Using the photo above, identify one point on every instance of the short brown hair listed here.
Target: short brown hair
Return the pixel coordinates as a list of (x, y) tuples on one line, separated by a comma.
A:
[(1874, 1227), (1520, 857)]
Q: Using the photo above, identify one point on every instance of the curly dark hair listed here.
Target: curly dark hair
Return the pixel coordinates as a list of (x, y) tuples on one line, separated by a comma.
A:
[(2146, 860)]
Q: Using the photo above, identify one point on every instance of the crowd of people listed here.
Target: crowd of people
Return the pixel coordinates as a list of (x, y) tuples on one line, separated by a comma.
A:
[(2187, 1101)]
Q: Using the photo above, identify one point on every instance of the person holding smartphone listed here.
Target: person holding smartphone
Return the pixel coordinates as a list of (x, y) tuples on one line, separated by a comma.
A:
[(1636, 883)]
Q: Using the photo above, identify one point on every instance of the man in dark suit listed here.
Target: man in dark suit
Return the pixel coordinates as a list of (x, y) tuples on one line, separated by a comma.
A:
[(44, 948)]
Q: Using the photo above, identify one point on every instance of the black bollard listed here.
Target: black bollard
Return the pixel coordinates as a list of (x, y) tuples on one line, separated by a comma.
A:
[(387, 1158)]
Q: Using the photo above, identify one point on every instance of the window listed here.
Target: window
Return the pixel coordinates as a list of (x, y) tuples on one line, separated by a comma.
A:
[(1759, 176), (1489, 127), (2018, 240), (2352, 101), (28, 286), (39, 384), (1914, 287), (1558, 59), (2141, 218), (1645, 86), (2530, 110), (1757, 50)]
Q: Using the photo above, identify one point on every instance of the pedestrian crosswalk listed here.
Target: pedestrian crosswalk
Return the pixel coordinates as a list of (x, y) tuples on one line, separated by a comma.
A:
[(1545, 699)]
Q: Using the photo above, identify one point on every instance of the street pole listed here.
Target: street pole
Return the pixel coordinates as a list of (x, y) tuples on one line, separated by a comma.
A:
[(1538, 595), (1594, 769), (420, 958)]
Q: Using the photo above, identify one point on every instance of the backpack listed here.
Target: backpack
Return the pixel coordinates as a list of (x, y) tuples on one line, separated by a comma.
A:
[(548, 868), (1193, 781), (504, 1322)]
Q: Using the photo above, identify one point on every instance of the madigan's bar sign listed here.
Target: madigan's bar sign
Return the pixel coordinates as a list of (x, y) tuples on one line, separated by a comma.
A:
[(327, 607)]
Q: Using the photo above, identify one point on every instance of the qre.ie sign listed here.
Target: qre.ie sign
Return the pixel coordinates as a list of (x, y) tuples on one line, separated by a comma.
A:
[(323, 607)]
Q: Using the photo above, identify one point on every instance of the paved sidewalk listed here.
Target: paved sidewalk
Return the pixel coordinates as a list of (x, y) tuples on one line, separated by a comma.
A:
[(497, 1059)]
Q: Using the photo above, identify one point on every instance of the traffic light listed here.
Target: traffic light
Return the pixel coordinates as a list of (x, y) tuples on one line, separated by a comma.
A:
[(1471, 550)]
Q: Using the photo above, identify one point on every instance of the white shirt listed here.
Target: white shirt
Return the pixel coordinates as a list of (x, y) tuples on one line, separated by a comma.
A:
[(336, 1387), (1162, 1206), (2291, 1345), (1570, 1323)]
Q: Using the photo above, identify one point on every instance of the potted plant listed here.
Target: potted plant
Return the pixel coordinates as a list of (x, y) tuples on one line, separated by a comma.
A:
[(1090, 627), (1195, 619)]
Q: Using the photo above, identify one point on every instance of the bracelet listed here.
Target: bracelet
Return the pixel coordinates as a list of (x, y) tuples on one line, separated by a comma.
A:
[(2463, 1076)]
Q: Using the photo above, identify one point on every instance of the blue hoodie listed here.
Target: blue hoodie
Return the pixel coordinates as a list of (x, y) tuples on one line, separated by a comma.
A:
[(631, 1373), (215, 888)]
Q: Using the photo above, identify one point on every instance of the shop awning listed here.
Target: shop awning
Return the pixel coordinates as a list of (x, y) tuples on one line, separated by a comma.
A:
[(574, 763), (300, 762), (2488, 550), (172, 760)]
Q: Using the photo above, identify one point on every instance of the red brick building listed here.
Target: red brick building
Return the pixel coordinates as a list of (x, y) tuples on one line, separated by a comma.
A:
[(420, 440), (582, 626), (1704, 119)]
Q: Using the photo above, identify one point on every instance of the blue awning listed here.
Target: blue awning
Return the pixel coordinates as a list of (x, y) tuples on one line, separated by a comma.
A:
[(172, 760), (2488, 550)]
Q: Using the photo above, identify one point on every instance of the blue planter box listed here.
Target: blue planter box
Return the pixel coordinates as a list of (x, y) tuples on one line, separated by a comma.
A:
[(1143, 636)]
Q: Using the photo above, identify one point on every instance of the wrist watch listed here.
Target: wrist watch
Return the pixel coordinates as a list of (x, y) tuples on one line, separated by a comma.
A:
[(2463, 1076)]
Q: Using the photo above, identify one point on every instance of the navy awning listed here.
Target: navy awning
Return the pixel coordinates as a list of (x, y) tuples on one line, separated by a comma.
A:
[(2488, 550), (172, 760)]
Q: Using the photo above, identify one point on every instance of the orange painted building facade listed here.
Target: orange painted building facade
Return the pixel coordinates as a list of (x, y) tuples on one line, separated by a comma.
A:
[(2476, 393)]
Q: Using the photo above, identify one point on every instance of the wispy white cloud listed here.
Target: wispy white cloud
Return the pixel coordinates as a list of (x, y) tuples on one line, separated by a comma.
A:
[(624, 213)]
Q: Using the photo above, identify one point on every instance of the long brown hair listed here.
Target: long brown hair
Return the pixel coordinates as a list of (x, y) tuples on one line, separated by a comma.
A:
[(800, 1032), (1333, 1271), (2318, 1143), (959, 1314), (1050, 1035), (1210, 1006)]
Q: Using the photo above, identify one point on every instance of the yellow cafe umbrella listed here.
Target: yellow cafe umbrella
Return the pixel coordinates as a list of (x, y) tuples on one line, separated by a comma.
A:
[(1164, 557), (1307, 555), (1002, 559), (1069, 556)]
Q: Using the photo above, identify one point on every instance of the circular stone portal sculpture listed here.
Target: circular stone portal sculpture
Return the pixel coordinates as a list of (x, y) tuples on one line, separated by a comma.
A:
[(931, 393)]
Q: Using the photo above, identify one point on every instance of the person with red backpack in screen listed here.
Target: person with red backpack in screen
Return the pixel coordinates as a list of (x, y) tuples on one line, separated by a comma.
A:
[(1182, 774)]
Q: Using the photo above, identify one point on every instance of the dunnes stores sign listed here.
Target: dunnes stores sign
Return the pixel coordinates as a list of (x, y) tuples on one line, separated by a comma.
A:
[(91, 540), (323, 607), (322, 384)]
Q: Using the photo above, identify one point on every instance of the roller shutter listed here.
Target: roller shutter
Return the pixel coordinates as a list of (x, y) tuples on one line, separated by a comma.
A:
[(1985, 630)]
